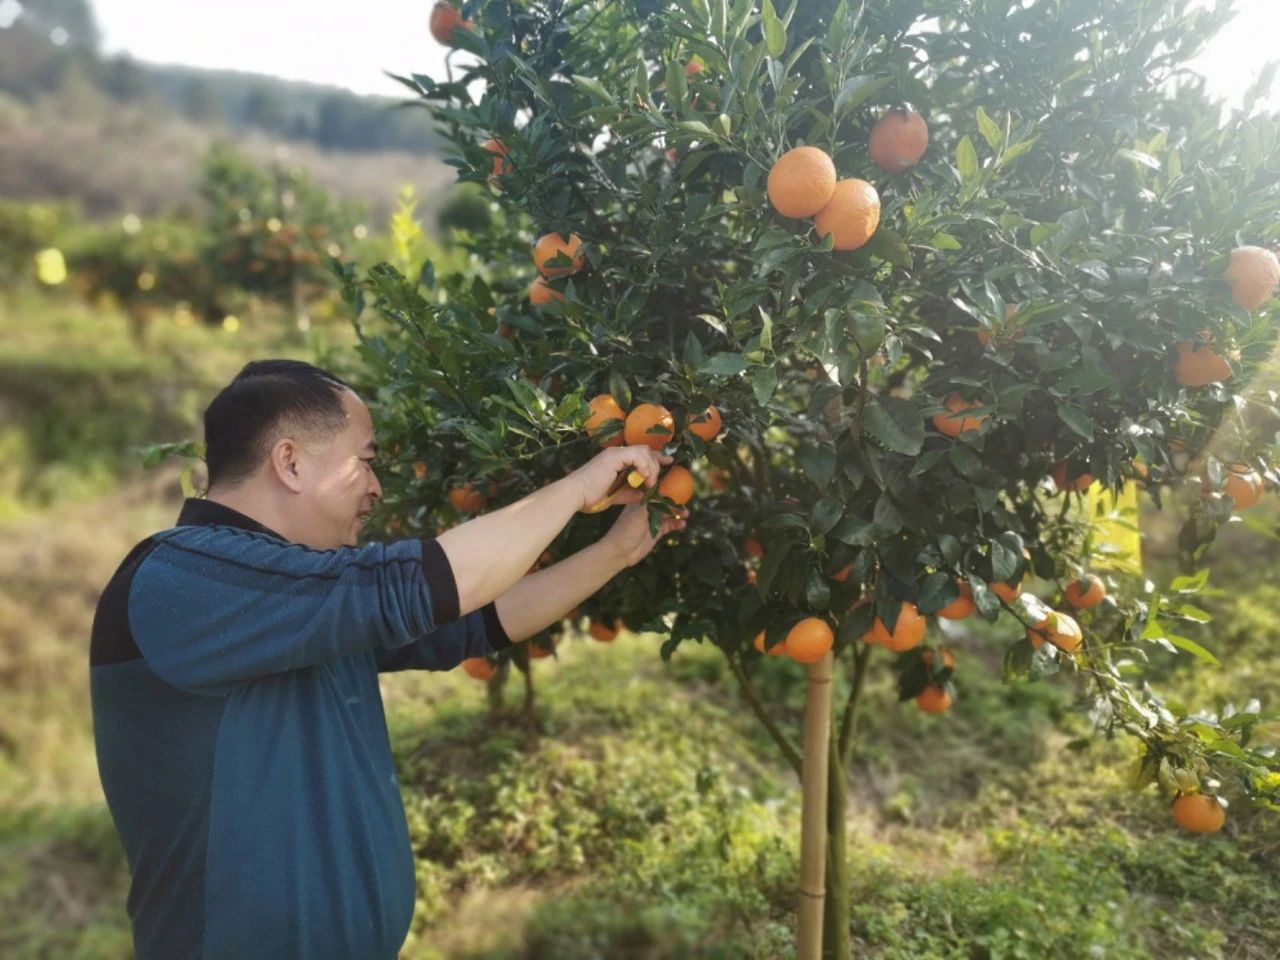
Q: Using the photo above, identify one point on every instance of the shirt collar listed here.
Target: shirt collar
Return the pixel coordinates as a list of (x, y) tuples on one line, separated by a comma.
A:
[(196, 512)]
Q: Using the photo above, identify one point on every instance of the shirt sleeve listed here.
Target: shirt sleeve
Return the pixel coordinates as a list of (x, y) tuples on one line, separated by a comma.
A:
[(214, 607), (475, 635)]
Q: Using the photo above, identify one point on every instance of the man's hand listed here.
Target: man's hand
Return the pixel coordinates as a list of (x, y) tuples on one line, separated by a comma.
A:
[(629, 538), (599, 473)]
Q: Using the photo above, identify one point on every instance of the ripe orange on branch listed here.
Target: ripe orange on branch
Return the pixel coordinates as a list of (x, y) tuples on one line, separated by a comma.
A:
[(1080, 482), (1254, 274), (1060, 629), (809, 640), (802, 182), (934, 699), (650, 424), (602, 631), (1086, 592), (444, 21), (551, 246), (501, 164), (777, 650), (1243, 486), (950, 424), (542, 293), (898, 140), (851, 215), (962, 606), (604, 409), (467, 499), (677, 484), (479, 667), (1199, 365), (706, 424), (1196, 813), (1008, 592), (907, 632)]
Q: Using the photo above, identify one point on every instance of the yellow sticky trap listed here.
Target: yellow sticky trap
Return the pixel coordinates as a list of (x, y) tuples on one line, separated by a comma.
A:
[(1116, 537)]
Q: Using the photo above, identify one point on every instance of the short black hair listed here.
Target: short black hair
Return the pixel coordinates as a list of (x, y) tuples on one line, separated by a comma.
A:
[(266, 397)]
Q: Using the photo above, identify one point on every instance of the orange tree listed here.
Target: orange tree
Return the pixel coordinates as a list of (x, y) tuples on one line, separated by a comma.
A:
[(1006, 273)]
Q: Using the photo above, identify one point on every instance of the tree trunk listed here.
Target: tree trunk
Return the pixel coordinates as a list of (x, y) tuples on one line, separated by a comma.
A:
[(813, 824), (835, 916)]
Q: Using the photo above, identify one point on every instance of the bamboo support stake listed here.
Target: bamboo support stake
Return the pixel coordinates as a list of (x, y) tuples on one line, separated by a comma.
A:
[(813, 824)]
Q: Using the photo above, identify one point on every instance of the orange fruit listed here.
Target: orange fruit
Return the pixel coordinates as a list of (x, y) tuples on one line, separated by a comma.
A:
[(706, 424), (550, 246), (802, 181), (907, 633), (961, 606), (719, 479), (953, 426), (501, 164), (1254, 273), (1008, 592), (419, 469), (841, 575), (1082, 482), (898, 140), (753, 548), (1198, 365), (605, 409), (538, 652), (467, 499), (444, 21), (541, 293), (677, 484), (650, 424), (1243, 486), (1086, 592), (1196, 813), (948, 659), (777, 650), (602, 631), (809, 640), (479, 667), (851, 215), (984, 336), (506, 331), (693, 67), (1059, 629), (933, 699)]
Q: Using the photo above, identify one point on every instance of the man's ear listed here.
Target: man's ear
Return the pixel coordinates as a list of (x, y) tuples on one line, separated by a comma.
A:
[(284, 463)]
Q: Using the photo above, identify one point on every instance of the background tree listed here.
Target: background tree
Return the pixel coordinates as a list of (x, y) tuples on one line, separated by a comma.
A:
[(908, 423)]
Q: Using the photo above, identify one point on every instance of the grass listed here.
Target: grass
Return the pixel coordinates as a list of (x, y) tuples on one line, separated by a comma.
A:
[(81, 395), (648, 816)]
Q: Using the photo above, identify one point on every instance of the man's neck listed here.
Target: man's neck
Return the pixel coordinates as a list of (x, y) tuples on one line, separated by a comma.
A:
[(256, 506)]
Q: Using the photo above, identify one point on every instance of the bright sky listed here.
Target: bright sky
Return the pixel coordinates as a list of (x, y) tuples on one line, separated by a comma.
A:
[(350, 44)]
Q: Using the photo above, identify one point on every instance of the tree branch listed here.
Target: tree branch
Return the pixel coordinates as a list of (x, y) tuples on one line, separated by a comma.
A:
[(753, 700), (849, 722)]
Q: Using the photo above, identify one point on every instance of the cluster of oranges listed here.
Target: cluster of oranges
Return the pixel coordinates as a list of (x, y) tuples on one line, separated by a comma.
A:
[(651, 425), (802, 183)]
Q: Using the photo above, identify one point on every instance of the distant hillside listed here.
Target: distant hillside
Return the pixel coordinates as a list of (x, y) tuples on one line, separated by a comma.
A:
[(117, 136), (53, 46)]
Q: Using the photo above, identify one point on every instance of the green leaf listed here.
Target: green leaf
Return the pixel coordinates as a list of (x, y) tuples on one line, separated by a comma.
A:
[(1017, 150), (763, 383), (826, 514), (1004, 561), (594, 88), (895, 423), (989, 129), (1193, 648), (1137, 156), (966, 160), (775, 34), (724, 365), (1077, 420), (696, 127), (857, 90), (945, 241), (1042, 232)]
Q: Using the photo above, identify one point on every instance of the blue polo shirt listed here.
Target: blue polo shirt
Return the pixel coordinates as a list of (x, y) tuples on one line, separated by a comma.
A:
[(241, 739)]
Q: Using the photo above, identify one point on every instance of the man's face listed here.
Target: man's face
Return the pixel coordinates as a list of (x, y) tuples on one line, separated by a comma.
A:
[(339, 484)]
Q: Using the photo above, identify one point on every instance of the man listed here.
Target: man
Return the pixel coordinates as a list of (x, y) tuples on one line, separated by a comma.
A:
[(234, 668)]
